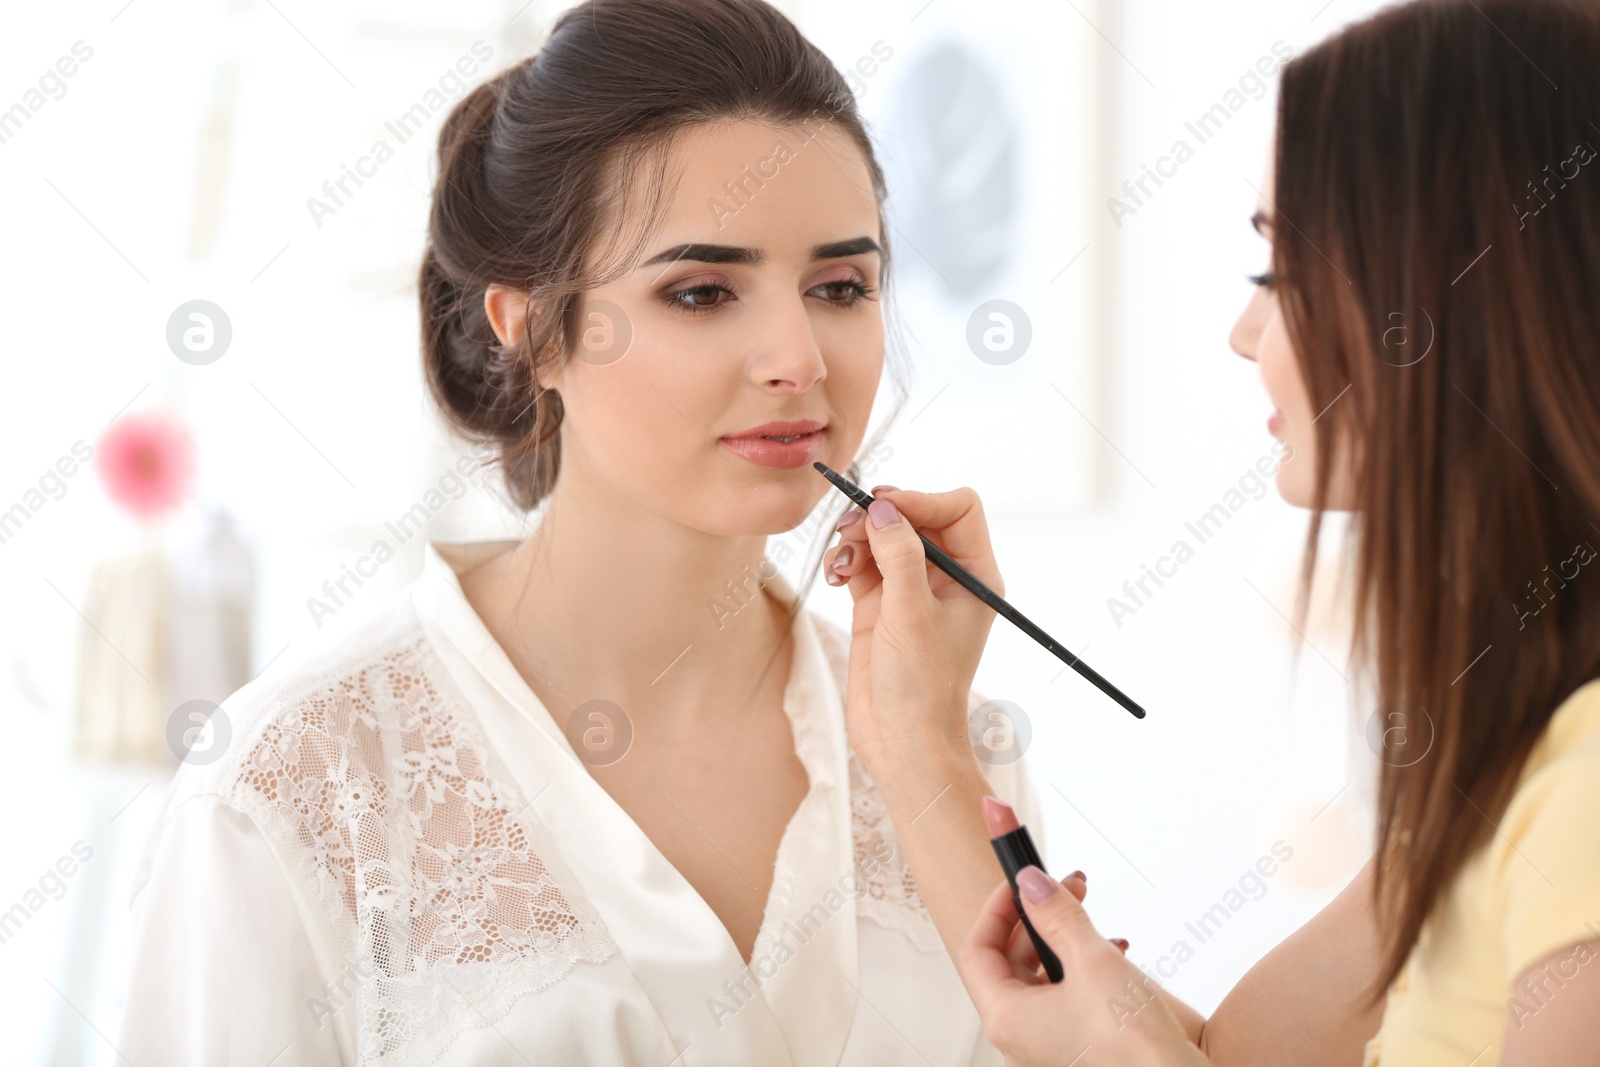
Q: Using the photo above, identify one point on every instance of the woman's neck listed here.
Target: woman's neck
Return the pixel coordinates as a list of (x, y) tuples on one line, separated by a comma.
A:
[(603, 600)]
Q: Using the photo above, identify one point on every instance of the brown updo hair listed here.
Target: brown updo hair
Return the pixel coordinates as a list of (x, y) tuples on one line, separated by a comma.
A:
[(534, 166)]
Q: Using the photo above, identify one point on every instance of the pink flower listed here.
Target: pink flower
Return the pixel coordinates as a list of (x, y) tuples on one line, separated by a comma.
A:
[(146, 463)]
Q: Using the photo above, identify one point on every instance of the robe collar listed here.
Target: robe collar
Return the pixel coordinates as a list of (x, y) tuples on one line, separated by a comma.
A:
[(795, 1001)]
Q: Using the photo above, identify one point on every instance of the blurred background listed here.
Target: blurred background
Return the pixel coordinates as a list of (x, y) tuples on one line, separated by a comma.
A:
[(214, 406)]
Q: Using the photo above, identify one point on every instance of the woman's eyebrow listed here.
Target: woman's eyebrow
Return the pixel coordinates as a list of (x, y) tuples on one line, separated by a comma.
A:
[(709, 253), (702, 253), (853, 247)]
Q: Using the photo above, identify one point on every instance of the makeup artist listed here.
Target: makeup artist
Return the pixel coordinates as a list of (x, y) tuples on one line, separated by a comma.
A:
[(1407, 145)]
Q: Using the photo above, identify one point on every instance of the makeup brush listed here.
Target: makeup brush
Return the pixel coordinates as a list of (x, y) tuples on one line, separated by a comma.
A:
[(939, 558)]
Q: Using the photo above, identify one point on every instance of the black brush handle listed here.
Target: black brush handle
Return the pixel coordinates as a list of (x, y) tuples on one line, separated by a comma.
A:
[(969, 581)]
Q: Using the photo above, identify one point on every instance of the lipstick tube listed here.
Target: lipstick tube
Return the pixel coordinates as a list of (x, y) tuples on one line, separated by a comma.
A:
[(1015, 851)]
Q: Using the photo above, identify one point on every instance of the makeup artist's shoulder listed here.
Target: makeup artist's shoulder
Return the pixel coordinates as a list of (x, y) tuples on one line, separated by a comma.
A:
[(363, 675)]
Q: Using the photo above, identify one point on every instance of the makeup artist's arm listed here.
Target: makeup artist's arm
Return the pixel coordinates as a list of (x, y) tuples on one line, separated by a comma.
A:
[(1303, 1002), (936, 807), (916, 639), (908, 723)]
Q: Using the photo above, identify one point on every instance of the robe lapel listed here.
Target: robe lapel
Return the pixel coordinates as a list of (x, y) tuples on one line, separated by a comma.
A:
[(806, 953), (677, 949)]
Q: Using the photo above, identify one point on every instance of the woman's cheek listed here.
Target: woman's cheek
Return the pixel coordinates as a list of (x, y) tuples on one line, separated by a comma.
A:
[(626, 417), (864, 362), (856, 397)]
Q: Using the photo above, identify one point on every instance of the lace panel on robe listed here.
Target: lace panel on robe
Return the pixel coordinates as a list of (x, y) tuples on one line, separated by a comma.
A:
[(892, 899), (376, 776)]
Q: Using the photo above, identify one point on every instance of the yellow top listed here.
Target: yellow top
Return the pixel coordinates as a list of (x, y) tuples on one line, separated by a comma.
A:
[(1532, 890)]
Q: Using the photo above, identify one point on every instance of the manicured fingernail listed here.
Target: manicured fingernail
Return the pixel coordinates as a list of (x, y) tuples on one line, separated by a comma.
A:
[(883, 514), (1037, 886), (851, 516), (1120, 942), (835, 579), (843, 557), (1078, 875), (882, 488)]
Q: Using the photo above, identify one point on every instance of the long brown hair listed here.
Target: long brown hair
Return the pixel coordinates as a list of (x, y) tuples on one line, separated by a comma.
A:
[(1437, 255)]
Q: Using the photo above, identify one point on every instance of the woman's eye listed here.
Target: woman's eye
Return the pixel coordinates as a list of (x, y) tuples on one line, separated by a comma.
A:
[(848, 290), (699, 298), (1263, 280)]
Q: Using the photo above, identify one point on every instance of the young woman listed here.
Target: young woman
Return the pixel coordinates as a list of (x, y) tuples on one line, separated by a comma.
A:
[(1428, 334), (588, 797)]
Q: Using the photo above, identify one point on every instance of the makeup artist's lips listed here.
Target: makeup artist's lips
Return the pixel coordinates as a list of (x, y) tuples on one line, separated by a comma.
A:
[(783, 445), (1275, 423)]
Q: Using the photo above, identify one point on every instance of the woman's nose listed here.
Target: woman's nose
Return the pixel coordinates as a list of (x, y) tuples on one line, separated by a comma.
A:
[(1247, 328), (793, 356)]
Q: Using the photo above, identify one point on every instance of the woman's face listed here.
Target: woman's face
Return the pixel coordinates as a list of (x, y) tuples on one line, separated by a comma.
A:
[(1259, 335), (755, 302)]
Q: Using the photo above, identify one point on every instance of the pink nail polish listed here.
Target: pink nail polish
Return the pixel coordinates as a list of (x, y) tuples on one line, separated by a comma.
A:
[(843, 557), (883, 488), (850, 517), (883, 513), (1037, 886)]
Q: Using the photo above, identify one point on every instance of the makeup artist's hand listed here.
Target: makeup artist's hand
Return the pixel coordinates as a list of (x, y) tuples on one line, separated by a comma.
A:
[(1019, 948), (1104, 1009), (916, 635)]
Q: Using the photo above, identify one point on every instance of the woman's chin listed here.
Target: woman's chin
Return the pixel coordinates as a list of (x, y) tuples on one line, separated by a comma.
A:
[(771, 517), (1291, 490)]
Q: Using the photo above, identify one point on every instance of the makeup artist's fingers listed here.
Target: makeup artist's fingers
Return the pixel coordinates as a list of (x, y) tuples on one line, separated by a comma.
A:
[(903, 562), (856, 568), (852, 532), (849, 527), (1076, 883), (999, 932), (983, 957), (856, 538), (954, 521), (1033, 1021), (1024, 957), (858, 561), (1058, 917)]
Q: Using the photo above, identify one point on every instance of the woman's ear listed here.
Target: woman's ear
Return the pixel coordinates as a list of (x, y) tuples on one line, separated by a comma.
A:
[(506, 309)]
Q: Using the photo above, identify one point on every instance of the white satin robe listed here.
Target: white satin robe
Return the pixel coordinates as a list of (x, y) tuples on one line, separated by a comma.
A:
[(398, 859)]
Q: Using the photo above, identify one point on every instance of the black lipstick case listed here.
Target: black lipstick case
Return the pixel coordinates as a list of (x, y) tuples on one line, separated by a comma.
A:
[(1015, 851)]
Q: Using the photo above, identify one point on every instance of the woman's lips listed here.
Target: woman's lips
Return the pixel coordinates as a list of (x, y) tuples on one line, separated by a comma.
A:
[(1275, 423), (784, 455)]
